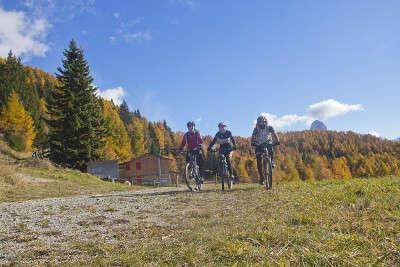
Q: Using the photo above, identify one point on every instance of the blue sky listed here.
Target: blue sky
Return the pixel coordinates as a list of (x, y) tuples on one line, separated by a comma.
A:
[(213, 61)]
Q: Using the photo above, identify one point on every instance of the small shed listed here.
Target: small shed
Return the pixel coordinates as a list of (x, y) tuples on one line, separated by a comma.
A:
[(105, 169), (149, 169)]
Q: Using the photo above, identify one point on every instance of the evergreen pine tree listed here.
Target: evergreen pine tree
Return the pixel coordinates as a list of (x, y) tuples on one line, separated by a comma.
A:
[(154, 142), (137, 113), (77, 127), (124, 113)]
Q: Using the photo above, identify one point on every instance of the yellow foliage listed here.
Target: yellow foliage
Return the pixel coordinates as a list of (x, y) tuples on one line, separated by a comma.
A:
[(136, 129), (160, 132), (290, 170), (117, 142), (340, 169), (17, 124)]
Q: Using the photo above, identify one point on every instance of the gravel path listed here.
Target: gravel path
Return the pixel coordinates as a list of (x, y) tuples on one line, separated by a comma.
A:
[(55, 224)]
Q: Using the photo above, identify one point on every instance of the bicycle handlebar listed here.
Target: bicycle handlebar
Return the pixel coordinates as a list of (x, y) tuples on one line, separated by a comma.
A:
[(269, 144)]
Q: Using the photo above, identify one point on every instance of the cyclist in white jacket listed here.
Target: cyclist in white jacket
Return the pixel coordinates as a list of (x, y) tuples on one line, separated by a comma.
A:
[(263, 133)]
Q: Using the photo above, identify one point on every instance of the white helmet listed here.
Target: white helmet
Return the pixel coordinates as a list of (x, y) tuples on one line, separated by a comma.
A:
[(262, 120)]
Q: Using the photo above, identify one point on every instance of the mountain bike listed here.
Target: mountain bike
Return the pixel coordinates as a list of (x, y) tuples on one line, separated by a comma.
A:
[(266, 162), (192, 172), (223, 169)]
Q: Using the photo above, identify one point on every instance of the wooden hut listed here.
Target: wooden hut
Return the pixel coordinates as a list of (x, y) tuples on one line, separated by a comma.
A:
[(149, 169)]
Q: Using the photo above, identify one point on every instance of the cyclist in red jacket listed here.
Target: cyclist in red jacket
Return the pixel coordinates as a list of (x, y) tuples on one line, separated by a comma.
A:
[(193, 141)]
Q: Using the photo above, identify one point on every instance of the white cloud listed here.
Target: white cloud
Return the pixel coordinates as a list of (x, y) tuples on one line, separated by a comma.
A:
[(322, 110), (116, 15), (22, 34), (140, 36), (374, 133), (112, 38), (284, 121), (188, 3), (132, 22), (127, 32), (59, 11), (115, 94), (331, 108)]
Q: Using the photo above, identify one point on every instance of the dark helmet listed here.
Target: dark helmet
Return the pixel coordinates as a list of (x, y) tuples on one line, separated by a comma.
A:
[(262, 120), (191, 123)]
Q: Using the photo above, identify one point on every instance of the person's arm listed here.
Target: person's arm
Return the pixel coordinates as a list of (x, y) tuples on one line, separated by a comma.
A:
[(212, 142), (200, 139), (183, 144), (253, 137), (233, 141), (275, 137)]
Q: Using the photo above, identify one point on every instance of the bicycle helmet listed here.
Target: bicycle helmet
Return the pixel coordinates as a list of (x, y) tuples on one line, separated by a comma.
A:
[(191, 123)]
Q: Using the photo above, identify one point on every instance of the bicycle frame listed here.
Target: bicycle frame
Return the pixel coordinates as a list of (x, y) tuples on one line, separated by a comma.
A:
[(192, 172), (223, 170), (266, 167)]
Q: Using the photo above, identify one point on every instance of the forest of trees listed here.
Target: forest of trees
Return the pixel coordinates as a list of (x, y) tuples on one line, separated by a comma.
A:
[(319, 155), (62, 114)]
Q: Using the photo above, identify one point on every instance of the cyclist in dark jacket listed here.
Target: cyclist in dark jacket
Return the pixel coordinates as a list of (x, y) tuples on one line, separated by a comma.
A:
[(226, 144)]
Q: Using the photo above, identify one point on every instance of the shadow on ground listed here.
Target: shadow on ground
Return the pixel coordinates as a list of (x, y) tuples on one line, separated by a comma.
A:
[(171, 192)]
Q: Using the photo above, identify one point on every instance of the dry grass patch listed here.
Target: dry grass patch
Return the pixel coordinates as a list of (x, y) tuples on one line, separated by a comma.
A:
[(326, 223), (8, 175)]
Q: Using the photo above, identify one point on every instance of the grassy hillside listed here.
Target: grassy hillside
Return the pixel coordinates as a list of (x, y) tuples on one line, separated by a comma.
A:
[(22, 178), (326, 223)]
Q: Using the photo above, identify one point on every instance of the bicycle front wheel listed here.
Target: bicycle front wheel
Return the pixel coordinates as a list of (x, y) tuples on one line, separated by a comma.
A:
[(223, 175), (268, 173), (190, 180), (229, 182)]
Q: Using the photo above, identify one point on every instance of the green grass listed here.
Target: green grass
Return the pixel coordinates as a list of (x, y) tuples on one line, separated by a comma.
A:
[(350, 223), (22, 178), (26, 183)]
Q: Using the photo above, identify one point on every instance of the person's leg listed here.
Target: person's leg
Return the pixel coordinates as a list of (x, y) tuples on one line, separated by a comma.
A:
[(272, 154), (259, 168), (200, 162), (229, 161), (187, 157)]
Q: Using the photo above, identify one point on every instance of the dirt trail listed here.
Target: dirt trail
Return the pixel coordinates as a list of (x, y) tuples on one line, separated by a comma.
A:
[(59, 222)]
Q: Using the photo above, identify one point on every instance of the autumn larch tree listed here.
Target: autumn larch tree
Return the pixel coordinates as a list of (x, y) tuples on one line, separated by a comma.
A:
[(17, 124), (117, 140)]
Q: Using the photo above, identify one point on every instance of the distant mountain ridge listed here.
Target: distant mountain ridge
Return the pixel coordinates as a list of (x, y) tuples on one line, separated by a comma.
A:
[(318, 126)]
